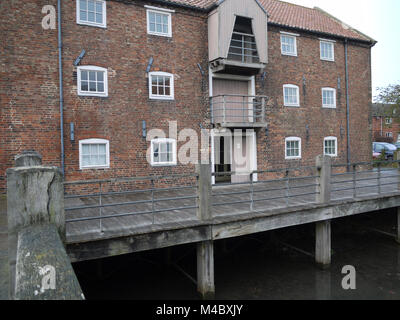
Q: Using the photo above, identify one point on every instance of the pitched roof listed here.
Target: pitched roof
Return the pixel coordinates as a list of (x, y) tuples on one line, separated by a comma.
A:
[(294, 16)]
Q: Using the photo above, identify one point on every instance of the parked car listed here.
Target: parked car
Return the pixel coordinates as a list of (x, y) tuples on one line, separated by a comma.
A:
[(397, 144), (378, 147)]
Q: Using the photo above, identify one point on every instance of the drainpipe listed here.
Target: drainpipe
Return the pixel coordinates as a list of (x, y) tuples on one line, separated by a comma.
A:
[(60, 71), (347, 104)]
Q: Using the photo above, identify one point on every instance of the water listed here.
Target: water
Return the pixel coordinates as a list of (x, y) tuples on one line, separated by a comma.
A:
[(260, 266)]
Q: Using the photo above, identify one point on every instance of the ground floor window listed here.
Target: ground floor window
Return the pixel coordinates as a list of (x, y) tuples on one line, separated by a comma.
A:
[(94, 153), (330, 146), (293, 148), (163, 152)]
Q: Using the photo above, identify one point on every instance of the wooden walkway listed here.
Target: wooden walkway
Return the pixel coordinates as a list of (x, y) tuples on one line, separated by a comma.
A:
[(301, 196)]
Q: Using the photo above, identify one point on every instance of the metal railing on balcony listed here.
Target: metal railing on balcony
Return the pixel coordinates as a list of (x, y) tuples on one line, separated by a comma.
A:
[(230, 108), (243, 48)]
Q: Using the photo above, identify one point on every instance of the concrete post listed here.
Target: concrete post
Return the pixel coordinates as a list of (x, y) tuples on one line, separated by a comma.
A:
[(205, 249), (323, 164), (397, 164), (323, 244), (35, 195)]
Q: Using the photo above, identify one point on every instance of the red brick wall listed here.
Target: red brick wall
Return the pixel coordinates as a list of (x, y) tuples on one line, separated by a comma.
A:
[(380, 128), (29, 116), (29, 112), (291, 121)]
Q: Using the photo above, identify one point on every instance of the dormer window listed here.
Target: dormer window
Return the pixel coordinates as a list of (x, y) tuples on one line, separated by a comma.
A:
[(243, 46)]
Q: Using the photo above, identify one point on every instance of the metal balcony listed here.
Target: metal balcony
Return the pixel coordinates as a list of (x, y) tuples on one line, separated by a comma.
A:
[(238, 111)]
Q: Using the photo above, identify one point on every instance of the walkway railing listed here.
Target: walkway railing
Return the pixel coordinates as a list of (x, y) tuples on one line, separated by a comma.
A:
[(156, 200)]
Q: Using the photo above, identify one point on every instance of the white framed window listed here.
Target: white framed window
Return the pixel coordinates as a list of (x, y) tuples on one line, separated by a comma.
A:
[(161, 85), (159, 21), (94, 154), (163, 152), (288, 44), (328, 98), (92, 81), (389, 135), (293, 148), (388, 120), (327, 49), (330, 146), (91, 13), (291, 96)]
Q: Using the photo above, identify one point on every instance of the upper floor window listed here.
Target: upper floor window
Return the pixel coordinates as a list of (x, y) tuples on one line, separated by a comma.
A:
[(293, 148), (92, 81), (94, 153), (389, 134), (291, 96), (327, 49), (91, 12), (243, 46), (388, 120), (328, 98), (163, 152), (159, 21), (288, 44), (161, 85), (330, 146)]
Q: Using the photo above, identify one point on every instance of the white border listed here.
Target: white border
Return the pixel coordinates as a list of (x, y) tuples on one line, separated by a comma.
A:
[(333, 50), (172, 91), (92, 24), (293, 139), (163, 164), (298, 96), (295, 44), (329, 106), (95, 141), (336, 146), (161, 11), (88, 93)]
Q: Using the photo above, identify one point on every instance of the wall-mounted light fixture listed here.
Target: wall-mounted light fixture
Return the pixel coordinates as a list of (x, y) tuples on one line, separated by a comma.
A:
[(144, 130), (341, 132), (80, 57), (338, 83), (72, 131), (150, 63)]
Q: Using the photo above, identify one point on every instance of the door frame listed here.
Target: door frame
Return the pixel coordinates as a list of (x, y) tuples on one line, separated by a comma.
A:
[(253, 155)]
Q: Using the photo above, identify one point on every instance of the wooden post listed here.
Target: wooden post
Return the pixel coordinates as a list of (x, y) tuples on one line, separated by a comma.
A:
[(205, 249), (323, 244), (35, 196), (323, 164), (205, 269), (397, 164), (398, 225), (204, 192)]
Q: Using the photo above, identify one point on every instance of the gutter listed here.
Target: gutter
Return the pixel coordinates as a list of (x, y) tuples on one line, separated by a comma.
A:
[(347, 104), (60, 71)]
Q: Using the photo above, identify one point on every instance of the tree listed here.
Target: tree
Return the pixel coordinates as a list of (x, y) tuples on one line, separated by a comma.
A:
[(389, 95)]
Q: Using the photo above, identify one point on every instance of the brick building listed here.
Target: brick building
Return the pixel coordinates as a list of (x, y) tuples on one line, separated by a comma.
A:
[(272, 69), (385, 123)]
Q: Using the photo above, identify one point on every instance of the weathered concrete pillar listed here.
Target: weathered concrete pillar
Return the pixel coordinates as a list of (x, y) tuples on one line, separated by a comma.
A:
[(205, 269), (35, 196), (205, 250), (323, 244), (323, 164)]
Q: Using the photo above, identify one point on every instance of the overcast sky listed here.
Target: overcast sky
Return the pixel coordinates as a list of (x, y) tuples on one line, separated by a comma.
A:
[(378, 19)]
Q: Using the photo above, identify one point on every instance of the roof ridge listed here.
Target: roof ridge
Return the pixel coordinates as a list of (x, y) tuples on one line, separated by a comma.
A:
[(344, 24)]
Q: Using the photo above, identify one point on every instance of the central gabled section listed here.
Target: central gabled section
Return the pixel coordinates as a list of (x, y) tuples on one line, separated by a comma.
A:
[(237, 38)]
